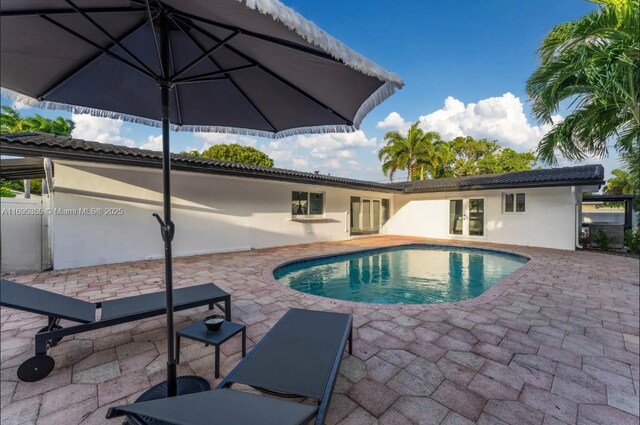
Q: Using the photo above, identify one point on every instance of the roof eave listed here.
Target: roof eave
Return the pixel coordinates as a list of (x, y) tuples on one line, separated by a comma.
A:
[(62, 153), (597, 182)]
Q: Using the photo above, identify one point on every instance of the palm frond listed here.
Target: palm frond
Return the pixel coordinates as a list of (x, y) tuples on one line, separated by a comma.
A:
[(594, 64)]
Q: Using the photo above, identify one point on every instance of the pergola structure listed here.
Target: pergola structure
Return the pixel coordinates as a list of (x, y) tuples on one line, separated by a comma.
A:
[(22, 168), (628, 205)]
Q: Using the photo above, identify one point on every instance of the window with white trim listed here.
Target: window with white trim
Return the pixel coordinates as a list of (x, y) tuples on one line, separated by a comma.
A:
[(513, 202), (307, 204)]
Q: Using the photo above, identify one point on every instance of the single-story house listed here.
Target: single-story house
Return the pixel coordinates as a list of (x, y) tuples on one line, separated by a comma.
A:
[(102, 197)]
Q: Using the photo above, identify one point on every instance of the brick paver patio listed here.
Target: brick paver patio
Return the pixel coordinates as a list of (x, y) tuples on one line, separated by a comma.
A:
[(554, 343)]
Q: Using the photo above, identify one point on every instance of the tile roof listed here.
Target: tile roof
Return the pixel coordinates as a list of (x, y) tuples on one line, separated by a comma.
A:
[(564, 176), (60, 147)]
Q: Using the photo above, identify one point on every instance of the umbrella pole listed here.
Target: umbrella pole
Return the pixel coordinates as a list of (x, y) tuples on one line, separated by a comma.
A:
[(173, 385), (167, 227)]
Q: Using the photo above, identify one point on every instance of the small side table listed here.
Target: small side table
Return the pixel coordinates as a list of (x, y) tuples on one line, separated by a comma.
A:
[(199, 332)]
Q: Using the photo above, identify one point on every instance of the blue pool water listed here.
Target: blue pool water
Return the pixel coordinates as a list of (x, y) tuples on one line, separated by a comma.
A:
[(415, 274)]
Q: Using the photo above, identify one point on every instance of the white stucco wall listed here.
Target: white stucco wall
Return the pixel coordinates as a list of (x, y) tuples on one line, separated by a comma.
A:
[(549, 220), (219, 213), (23, 234), (211, 214)]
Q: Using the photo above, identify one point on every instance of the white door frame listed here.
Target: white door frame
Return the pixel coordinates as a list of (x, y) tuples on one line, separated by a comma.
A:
[(360, 219), (465, 217)]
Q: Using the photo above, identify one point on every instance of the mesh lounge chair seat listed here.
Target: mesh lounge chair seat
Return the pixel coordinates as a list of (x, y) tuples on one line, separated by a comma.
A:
[(85, 314), (299, 357), (222, 407)]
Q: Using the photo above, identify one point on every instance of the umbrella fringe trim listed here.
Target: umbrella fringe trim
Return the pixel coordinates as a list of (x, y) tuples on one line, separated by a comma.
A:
[(301, 26), (74, 109), (321, 39), (375, 99)]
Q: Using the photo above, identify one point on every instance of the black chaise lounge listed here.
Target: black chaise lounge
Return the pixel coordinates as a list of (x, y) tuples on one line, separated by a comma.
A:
[(298, 358), (112, 312)]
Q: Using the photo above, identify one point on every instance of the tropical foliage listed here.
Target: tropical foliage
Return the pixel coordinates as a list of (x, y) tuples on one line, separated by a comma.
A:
[(632, 240), (472, 157), (425, 155), (12, 122), (7, 186), (602, 240), (620, 183), (594, 64), (5, 192), (416, 153), (235, 153), (632, 161)]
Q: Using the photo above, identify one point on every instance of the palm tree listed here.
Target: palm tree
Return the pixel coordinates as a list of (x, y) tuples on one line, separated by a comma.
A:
[(593, 63), (430, 156), (619, 183), (60, 126), (631, 159), (11, 121), (390, 163), (445, 158), (404, 153)]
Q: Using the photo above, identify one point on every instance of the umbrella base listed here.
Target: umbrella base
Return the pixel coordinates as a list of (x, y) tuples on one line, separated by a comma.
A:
[(186, 385)]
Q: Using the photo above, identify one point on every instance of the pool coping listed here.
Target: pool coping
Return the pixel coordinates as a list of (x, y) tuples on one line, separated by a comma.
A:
[(489, 295)]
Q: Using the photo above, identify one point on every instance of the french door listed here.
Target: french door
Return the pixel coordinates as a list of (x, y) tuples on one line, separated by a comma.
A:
[(368, 215), (466, 217)]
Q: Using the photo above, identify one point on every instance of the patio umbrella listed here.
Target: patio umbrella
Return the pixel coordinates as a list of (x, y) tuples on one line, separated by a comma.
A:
[(253, 67)]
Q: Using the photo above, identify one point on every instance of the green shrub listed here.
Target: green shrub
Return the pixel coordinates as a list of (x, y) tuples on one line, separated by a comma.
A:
[(632, 240), (5, 192), (602, 240)]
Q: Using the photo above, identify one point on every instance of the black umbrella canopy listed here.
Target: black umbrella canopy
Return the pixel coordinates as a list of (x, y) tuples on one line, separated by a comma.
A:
[(250, 67), (239, 66)]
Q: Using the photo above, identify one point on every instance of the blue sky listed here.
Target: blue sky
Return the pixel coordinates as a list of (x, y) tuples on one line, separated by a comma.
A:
[(464, 64)]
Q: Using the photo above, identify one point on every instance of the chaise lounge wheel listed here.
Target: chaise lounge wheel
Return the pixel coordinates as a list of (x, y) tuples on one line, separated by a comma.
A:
[(54, 341), (36, 368)]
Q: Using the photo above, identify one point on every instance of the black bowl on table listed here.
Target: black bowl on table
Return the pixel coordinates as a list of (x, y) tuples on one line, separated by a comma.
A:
[(214, 323)]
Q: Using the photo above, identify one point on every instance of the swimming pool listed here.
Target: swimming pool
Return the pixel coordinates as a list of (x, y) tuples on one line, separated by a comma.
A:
[(410, 274)]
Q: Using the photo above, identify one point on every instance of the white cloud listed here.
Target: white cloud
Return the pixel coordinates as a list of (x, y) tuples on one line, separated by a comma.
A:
[(333, 145), (334, 164), (393, 121), (154, 143), (318, 151), (344, 153), (299, 162), (334, 141), (496, 118), (279, 152), (19, 105), (96, 129), (211, 139)]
